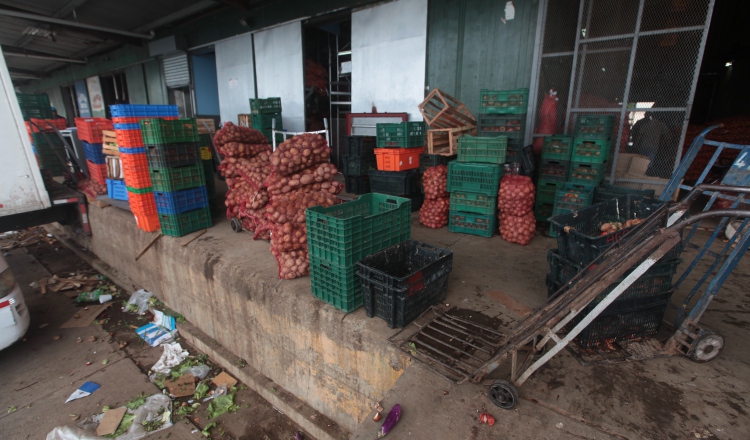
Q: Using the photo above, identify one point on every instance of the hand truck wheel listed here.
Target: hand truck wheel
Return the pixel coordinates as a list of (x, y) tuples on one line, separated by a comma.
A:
[(236, 224), (707, 347), (503, 394)]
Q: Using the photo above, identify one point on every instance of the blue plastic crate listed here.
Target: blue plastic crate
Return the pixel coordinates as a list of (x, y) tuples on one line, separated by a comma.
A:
[(177, 202), (94, 153), (135, 126), (124, 150), (116, 189), (137, 110)]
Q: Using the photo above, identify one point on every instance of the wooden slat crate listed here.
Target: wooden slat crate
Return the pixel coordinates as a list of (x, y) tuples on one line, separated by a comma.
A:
[(202, 128), (441, 110), (444, 141), (244, 120)]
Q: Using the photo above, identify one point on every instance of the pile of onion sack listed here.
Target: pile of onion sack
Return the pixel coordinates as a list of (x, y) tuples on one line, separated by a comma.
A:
[(434, 210), (301, 177), (515, 204), (246, 164)]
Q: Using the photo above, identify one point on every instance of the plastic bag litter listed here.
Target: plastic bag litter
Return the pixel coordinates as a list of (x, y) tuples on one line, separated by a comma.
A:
[(173, 356), (86, 429), (139, 300), (199, 371)]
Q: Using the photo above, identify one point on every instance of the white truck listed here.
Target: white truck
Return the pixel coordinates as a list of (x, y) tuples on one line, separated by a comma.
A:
[(25, 201)]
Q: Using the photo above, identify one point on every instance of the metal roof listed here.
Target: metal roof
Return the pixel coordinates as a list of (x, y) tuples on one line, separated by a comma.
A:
[(28, 56)]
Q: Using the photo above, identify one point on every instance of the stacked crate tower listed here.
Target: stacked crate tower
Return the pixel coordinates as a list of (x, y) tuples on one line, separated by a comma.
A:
[(503, 113), (90, 132), (133, 158), (177, 175), (357, 162), (37, 113), (265, 115), (399, 146)]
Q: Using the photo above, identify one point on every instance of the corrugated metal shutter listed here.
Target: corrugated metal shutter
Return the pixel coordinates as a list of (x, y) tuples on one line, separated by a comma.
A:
[(176, 71)]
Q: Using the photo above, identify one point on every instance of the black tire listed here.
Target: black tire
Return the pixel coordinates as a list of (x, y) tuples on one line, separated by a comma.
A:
[(236, 225), (707, 347), (503, 394)]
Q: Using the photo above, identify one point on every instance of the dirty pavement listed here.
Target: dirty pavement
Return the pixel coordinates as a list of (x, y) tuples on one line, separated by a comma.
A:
[(72, 345)]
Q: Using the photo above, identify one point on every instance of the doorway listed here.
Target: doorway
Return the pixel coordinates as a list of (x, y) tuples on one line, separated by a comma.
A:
[(327, 76)]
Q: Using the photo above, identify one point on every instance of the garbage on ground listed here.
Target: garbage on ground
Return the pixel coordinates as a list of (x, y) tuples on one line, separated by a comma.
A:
[(153, 415), (486, 418), (160, 331), (84, 317), (94, 295), (182, 386), (85, 390), (222, 404), (390, 421), (110, 421), (224, 379), (138, 302), (173, 356)]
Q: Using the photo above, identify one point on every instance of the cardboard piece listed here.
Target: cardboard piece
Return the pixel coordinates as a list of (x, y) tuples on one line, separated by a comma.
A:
[(639, 165), (162, 329), (182, 386), (624, 161), (224, 379), (85, 317), (110, 421)]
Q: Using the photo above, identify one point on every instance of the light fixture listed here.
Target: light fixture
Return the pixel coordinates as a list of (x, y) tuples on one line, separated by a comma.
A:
[(728, 64)]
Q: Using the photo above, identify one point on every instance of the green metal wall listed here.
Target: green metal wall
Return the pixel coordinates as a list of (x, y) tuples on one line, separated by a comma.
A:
[(137, 93), (469, 47)]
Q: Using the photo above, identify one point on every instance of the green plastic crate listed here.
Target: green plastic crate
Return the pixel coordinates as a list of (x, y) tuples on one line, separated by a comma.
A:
[(513, 152), (503, 102), (543, 211), (591, 151), (177, 225), (346, 233), (34, 106), (573, 196), (554, 170), (267, 105), (545, 190), (337, 285), (161, 131), (46, 139), (474, 178), (176, 179), (557, 147), (473, 203), (264, 121), (512, 126), (587, 173), (595, 126), (482, 149), (432, 160), (474, 224), (401, 134)]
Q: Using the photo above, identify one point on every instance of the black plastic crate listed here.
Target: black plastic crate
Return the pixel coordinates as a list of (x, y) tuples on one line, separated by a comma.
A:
[(622, 320), (357, 184), (605, 192), (394, 183), (173, 155), (359, 145), (433, 160), (417, 199), (358, 165), (582, 243), (402, 281)]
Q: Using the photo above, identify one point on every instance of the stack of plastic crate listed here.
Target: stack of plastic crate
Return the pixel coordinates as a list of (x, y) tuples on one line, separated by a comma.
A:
[(134, 160), (90, 133), (264, 113), (206, 148), (37, 113), (399, 146), (503, 113), (177, 176), (592, 144), (340, 236), (553, 173), (570, 197), (357, 162), (639, 310)]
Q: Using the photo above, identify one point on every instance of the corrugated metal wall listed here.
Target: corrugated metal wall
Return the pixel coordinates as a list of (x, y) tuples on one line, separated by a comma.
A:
[(137, 93), (470, 48)]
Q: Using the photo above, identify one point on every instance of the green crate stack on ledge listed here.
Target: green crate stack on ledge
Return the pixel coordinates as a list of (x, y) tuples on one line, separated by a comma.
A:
[(263, 114)]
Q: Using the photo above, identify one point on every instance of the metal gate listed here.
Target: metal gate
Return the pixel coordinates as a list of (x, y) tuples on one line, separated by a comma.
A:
[(636, 60)]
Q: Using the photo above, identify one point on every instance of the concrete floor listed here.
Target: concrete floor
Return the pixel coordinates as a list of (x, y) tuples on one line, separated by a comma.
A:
[(660, 398)]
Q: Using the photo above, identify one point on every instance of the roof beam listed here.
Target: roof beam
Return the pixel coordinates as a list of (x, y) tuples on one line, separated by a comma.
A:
[(45, 19), (177, 15), (42, 56), (60, 13)]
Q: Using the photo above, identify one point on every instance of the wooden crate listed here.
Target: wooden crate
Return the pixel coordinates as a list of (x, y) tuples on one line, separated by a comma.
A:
[(444, 141), (108, 137), (244, 120), (441, 110), (202, 128)]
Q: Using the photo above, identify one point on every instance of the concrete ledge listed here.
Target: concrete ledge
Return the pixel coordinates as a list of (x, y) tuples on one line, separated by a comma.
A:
[(312, 421)]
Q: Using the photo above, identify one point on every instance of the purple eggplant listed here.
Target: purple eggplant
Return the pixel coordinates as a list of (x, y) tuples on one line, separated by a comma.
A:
[(390, 421), (298, 436)]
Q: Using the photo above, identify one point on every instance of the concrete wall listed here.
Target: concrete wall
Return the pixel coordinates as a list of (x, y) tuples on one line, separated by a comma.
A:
[(226, 284)]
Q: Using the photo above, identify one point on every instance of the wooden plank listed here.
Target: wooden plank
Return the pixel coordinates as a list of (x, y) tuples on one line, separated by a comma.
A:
[(148, 246), (195, 235)]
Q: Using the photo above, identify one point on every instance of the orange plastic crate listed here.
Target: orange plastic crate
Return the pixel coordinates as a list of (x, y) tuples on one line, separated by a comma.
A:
[(398, 159), (129, 138), (90, 129), (135, 170), (97, 172), (147, 222), (60, 124), (144, 204)]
